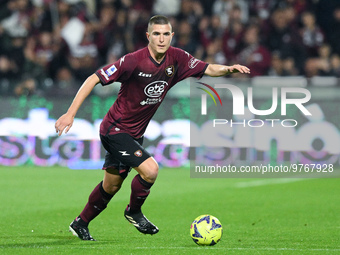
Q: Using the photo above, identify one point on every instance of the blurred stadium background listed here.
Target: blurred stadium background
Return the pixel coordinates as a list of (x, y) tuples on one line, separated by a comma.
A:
[(48, 48)]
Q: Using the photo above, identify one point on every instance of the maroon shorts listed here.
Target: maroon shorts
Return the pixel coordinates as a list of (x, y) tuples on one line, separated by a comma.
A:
[(123, 152)]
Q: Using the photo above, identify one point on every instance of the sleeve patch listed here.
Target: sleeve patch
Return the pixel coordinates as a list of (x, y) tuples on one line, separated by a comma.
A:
[(193, 62), (111, 70)]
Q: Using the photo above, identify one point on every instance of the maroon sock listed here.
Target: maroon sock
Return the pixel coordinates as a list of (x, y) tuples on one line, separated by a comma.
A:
[(140, 190), (98, 201)]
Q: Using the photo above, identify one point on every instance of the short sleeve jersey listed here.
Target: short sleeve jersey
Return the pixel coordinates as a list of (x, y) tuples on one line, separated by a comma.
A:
[(144, 84)]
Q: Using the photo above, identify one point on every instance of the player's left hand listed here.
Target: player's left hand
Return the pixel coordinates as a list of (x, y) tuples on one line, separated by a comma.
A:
[(238, 69)]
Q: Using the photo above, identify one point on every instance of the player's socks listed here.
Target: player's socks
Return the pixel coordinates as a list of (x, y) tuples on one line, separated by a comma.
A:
[(97, 202), (81, 222), (140, 190)]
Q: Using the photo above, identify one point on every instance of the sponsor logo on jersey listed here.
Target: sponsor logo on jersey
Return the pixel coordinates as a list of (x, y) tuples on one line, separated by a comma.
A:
[(193, 62), (138, 153), (151, 101), (155, 89), (170, 70), (111, 70), (144, 74)]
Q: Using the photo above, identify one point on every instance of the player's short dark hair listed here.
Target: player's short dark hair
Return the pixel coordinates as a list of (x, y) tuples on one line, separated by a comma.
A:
[(159, 20)]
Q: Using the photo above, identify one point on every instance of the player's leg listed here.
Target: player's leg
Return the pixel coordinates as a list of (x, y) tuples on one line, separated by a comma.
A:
[(101, 196), (140, 189), (130, 152), (142, 183), (115, 173), (97, 202)]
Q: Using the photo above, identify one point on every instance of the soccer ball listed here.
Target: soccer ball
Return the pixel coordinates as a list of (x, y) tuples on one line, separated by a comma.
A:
[(206, 230)]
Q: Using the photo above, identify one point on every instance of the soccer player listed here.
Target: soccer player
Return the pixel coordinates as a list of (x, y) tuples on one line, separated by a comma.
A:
[(146, 76)]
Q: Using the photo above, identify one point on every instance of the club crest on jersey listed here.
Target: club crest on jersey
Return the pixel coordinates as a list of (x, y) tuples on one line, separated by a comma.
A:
[(170, 70), (111, 70), (155, 89), (193, 62), (138, 153)]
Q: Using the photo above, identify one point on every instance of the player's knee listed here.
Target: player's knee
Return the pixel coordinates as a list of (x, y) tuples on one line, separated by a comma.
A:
[(153, 172), (112, 188), (150, 174), (148, 170)]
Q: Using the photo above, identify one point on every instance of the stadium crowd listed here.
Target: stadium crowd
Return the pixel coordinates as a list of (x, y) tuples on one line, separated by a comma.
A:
[(49, 47)]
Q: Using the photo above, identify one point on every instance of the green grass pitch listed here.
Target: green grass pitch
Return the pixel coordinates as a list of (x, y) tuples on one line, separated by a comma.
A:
[(259, 216)]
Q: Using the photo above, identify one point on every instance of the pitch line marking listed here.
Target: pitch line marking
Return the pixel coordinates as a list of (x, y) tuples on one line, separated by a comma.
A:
[(257, 183)]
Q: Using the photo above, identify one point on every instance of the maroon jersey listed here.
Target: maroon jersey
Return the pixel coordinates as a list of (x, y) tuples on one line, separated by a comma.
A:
[(144, 86)]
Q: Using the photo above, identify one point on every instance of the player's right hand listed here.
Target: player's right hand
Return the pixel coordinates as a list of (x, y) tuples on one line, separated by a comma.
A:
[(65, 121)]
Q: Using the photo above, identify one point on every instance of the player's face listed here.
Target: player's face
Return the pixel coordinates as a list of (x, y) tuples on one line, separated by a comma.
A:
[(159, 37)]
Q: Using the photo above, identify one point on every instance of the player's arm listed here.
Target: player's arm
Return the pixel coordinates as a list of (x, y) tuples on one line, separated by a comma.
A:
[(66, 120), (215, 70)]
